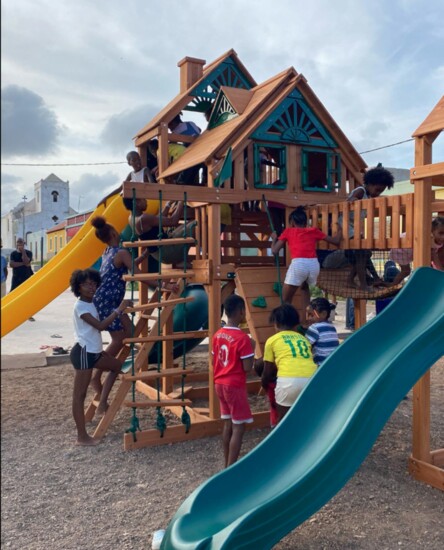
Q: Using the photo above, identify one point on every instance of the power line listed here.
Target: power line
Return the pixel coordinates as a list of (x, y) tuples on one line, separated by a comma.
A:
[(385, 146), (123, 162), (62, 164)]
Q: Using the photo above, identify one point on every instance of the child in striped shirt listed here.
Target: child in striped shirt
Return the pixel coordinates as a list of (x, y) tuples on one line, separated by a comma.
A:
[(321, 333)]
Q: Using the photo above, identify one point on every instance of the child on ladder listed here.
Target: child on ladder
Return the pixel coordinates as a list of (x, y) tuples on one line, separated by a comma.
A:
[(304, 267), (87, 353)]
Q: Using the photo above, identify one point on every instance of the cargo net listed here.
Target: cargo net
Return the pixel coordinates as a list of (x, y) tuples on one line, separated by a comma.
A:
[(337, 267)]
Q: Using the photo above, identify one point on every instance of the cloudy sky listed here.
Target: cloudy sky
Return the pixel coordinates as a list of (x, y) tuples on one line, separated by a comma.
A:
[(80, 78)]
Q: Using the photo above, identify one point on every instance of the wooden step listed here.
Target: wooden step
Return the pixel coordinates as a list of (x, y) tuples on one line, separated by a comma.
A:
[(198, 334), (160, 403), (166, 274), (165, 303), (155, 374), (160, 242)]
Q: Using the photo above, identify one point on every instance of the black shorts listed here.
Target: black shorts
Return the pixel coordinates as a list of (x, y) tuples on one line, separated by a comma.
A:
[(82, 359)]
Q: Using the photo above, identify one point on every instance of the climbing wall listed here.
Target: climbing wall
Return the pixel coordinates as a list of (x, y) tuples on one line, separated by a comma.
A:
[(257, 285)]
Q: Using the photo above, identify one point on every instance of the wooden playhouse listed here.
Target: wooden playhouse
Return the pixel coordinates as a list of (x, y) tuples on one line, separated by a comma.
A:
[(272, 142)]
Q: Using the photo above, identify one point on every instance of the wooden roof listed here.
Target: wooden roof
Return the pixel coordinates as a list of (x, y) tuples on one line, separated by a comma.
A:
[(219, 138), (264, 99), (176, 105), (238, 97), (434, 121)]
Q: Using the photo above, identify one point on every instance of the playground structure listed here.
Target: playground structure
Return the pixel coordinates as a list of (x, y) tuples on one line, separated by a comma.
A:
[(310, 162)]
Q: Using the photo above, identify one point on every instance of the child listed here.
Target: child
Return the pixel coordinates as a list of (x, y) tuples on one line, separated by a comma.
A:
[(376, 181), (321, 333), (116, 262), (304, 267), (288, 355), (87, 352), (139, 174), (233, 353), (271, 387), (438, 243)]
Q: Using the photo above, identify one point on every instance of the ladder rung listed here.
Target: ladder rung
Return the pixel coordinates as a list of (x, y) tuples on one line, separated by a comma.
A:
[(200, 334), (154, 305), (167, 274), (155, 374), (161, 403), (161, 242)]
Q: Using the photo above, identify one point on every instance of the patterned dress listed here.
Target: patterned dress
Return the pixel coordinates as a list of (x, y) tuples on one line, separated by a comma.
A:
[(111, 292)]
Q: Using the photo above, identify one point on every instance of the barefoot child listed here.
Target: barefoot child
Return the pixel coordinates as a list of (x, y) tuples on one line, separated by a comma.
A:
[(87, 352), (304, 267), (233, 354)]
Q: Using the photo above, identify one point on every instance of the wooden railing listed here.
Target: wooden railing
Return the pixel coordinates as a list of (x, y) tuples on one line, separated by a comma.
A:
[(382, 223)]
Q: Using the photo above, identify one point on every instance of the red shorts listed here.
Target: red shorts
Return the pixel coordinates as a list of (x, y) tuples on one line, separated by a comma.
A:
[(234, 404)]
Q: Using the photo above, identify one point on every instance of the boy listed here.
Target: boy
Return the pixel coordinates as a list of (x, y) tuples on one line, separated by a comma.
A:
[(376, 181), (233, 355)]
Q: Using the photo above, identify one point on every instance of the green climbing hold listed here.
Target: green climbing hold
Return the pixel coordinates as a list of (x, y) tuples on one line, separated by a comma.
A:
[(277, 287), (259, 302)]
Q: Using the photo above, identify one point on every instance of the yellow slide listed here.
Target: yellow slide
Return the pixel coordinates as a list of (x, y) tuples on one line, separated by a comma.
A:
[(53, 279)]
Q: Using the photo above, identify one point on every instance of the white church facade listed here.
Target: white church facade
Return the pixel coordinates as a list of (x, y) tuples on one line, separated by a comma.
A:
[(48, 207)]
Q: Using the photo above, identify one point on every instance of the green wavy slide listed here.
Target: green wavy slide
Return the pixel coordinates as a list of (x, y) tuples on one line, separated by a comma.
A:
[(327, 433)]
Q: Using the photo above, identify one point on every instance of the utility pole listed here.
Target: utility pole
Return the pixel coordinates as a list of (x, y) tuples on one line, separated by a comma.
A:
[(24, 206), (78, 204)]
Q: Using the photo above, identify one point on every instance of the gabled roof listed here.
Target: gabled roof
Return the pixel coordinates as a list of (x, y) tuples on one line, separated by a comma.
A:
[(264, 99), (180, 101), (434, 121), (219, 139), (238, 97), (54, 178)]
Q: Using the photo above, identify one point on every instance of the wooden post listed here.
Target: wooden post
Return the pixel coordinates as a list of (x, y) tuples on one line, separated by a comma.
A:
[(422, 217)]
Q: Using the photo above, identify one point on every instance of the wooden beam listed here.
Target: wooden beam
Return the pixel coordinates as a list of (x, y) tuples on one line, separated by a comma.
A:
[(427, 171), (427, 473), (175, 434)]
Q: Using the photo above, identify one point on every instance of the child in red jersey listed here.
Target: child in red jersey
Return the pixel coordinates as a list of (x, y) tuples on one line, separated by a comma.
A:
[(304, 267), (233, 355)]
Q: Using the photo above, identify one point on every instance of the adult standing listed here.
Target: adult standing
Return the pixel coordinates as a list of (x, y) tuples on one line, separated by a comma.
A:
[(20, 262), (4, 272)]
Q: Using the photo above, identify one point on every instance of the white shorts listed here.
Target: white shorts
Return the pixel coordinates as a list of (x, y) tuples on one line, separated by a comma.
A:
[(301, 270), (287, 390)]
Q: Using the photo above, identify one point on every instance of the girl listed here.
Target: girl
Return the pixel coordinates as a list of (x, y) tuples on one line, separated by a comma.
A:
[(87, 352), (116, 262), (304, 267), (321, 333), (288, 355)]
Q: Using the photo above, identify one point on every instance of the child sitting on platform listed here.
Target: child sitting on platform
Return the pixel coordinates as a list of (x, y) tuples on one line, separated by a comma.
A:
[(376, 181)]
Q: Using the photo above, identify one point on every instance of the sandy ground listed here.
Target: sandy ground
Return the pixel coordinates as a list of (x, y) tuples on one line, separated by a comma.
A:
[(56, 496)]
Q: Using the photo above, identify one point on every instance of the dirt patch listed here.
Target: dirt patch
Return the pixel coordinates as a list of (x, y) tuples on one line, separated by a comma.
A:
[(56, 496)]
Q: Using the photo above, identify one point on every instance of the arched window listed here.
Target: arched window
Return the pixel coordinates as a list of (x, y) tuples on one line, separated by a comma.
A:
[(55, 196)]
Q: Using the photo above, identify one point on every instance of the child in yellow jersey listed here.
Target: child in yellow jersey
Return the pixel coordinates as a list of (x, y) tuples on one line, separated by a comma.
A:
[(287, 354)]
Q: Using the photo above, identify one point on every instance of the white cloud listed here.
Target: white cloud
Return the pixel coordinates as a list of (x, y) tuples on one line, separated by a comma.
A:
[(102, 69)]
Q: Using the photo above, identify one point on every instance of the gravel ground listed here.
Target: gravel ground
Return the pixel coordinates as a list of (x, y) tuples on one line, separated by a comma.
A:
[(58, 496)]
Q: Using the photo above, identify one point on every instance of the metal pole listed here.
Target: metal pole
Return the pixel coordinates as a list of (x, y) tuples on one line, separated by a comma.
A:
[(41, 249), (24, 205)]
